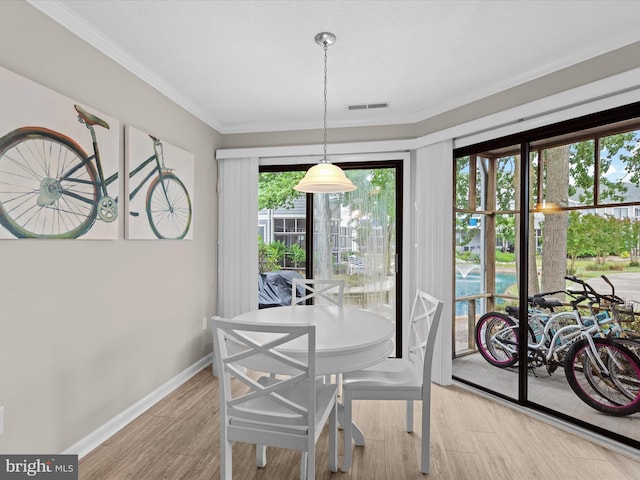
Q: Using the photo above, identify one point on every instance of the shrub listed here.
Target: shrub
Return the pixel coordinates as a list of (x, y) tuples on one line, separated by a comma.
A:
[(505, 257), (468, 256), (270, 255), (297, 254)]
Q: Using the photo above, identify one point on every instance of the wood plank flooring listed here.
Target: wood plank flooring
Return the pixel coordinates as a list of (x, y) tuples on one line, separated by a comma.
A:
[(472, 437)]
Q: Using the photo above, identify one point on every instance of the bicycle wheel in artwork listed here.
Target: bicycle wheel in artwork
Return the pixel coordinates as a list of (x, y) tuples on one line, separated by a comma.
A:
[(159, 188), (52, 185)]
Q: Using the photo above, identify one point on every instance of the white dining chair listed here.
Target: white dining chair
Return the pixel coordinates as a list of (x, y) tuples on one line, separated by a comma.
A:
[(285, 412), (399, 379), (323, 291)]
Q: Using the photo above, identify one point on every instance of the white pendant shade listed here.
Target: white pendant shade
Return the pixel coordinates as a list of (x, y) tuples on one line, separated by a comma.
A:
[(324, 178)]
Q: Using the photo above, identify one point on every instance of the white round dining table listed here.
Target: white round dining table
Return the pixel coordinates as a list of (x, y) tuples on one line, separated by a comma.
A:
[(347, 338)]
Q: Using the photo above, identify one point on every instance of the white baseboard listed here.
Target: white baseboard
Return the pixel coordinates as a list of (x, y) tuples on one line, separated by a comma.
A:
[(95, 438)]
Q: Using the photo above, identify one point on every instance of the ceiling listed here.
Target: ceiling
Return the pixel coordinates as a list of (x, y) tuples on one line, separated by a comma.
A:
[(253, 66)]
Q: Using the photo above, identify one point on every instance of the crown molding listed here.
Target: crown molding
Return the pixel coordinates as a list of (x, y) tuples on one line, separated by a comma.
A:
[(61, 14)]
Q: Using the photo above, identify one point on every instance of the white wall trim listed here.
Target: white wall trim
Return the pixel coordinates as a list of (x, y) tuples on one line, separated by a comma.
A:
[(338, 158), (333, 149), (616, 91), (95, 438), (66, 17)]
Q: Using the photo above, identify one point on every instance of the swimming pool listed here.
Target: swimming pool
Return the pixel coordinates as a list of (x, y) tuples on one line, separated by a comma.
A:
[(470, 285)]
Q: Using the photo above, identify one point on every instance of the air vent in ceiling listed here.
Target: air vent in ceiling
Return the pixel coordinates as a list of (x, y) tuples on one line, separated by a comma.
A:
[(368, 106)]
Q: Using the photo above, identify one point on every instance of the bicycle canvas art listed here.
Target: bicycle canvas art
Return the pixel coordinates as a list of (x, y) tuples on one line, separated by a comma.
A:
[(58, 165), (159, 188)]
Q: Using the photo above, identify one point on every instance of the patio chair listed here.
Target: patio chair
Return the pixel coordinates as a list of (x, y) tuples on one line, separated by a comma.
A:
[(282, 412), (399, 379), (325, 291)]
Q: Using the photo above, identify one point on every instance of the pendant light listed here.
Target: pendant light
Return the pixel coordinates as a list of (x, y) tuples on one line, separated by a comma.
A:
[(325, 177)]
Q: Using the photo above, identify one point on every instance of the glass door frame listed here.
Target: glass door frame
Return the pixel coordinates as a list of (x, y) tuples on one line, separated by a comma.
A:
[(525, 139), (398, 165)]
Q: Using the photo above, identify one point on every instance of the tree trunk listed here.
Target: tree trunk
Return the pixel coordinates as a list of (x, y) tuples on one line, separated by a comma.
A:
[(533, 286), (554, 247)]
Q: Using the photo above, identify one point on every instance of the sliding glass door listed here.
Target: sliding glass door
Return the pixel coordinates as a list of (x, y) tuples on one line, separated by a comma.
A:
[(543, 219), (355, 235)]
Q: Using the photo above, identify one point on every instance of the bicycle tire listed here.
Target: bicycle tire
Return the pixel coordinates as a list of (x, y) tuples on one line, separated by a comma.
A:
[(632, 344), (35, 201), (616, 394), (497, 339), (615, 391), (169, 215)]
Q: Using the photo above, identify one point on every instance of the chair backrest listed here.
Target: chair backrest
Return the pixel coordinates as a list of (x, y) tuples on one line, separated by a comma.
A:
[(322, 291), (423, 327), (263, 404)]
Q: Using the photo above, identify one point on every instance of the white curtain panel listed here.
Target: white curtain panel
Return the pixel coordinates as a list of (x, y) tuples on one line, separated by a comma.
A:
[(433, 230), (237, 236)]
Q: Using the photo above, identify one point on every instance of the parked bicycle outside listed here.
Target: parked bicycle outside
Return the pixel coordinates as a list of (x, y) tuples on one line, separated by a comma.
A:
[(603, 372)]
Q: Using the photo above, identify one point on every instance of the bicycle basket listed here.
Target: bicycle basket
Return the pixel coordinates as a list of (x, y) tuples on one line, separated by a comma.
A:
[(623, 313)]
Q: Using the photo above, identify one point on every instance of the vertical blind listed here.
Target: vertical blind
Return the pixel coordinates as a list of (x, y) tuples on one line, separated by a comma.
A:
[(433, 230), (237, 236)]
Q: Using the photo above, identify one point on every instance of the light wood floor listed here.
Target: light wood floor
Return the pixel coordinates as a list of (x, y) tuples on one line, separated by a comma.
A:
[(471, 438)]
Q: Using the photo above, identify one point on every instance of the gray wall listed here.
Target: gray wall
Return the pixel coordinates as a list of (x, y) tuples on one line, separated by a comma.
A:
[(89, 327)]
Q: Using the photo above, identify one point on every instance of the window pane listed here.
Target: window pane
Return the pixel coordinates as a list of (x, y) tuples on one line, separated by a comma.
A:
[(462, 183), (620, 168), (506, 182), (355, 239), (568, 174), (280, 211)]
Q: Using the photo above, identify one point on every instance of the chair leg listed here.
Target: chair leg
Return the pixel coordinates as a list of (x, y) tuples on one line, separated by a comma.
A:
[(304, 459), (347, 428), (409, 416), (426, 429), (226, 460), (261, 456), (333, 439), (308, 464)]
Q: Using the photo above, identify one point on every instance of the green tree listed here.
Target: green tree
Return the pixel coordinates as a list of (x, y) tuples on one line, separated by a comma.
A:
[(275, 189), (578, 238), (466, 229), (631, 237), (622, 146), (580, 159), (505, 199)]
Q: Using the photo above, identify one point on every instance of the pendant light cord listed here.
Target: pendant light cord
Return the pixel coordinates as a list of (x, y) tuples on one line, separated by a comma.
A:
[(325, 102)]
